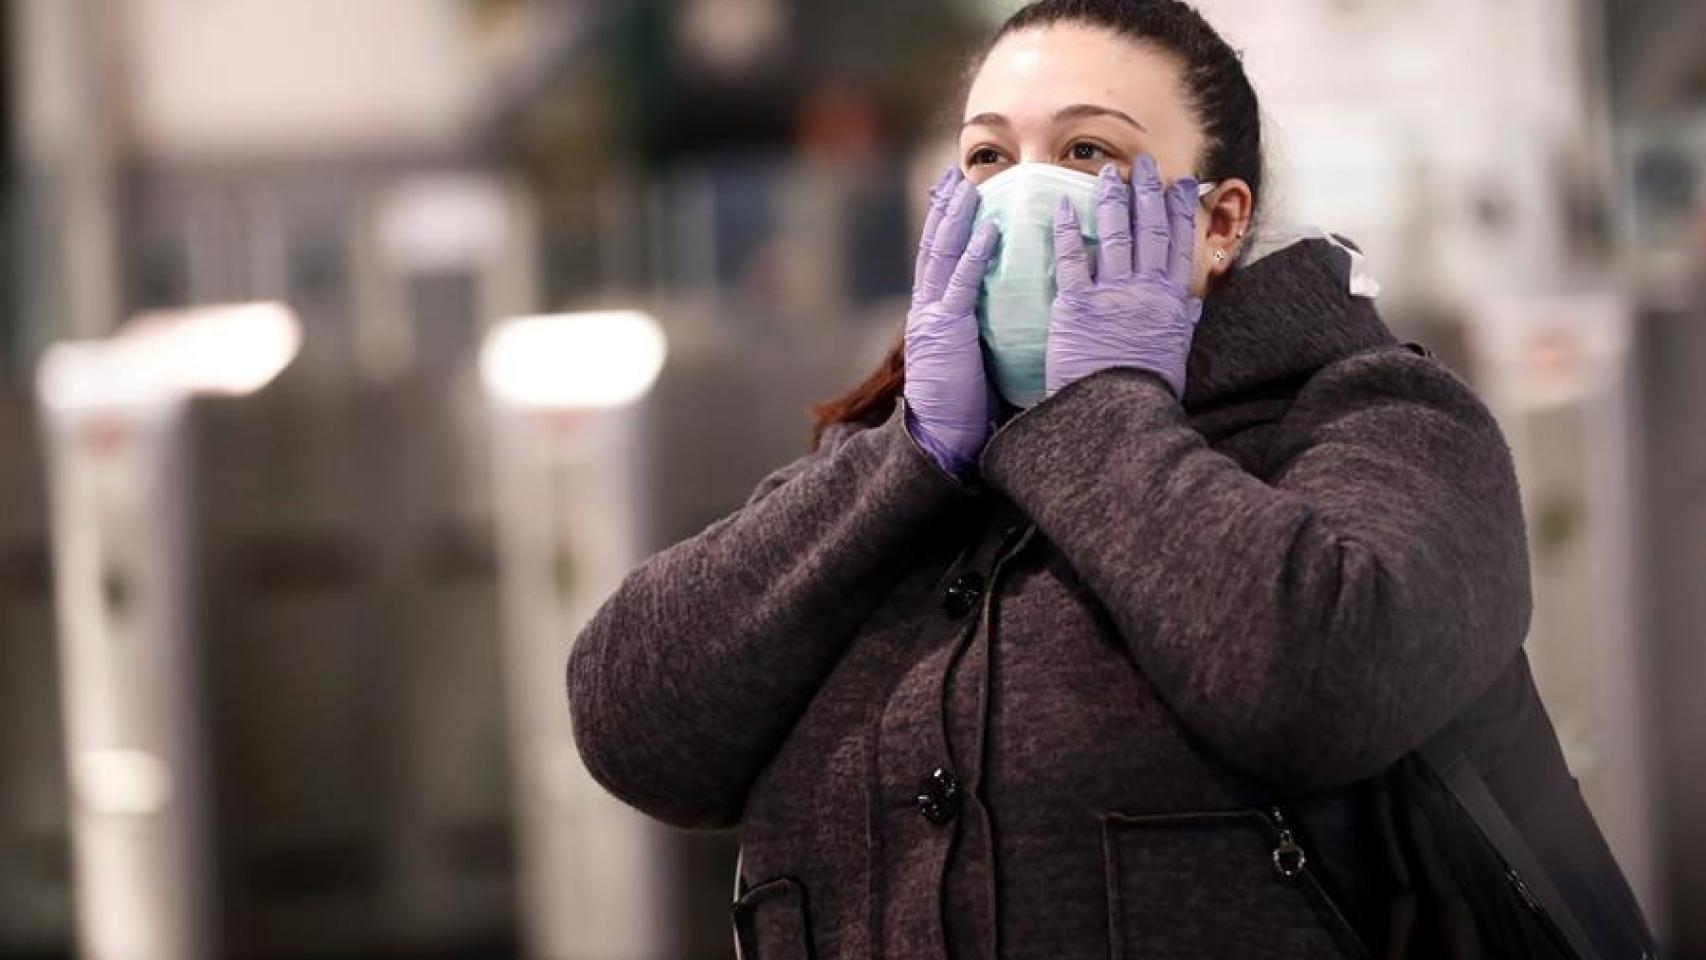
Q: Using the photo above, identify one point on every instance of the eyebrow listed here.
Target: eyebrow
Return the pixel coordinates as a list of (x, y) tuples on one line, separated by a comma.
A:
[(1073, 112)]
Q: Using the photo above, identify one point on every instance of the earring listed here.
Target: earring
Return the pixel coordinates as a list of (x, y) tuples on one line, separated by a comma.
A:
[(1219, 256)]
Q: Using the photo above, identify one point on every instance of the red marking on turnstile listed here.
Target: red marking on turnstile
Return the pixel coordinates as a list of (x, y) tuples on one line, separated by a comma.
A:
[(1555, 357), (105, 435), (560, 421)]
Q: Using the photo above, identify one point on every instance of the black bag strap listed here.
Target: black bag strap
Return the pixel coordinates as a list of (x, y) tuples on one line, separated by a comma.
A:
[(1446, 759)]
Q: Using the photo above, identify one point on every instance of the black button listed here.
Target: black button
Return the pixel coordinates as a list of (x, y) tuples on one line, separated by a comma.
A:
[(939, 796), (963, 594)]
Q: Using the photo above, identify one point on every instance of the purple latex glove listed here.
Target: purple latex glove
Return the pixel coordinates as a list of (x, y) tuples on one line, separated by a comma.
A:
[(1138, 310), (948, 400)]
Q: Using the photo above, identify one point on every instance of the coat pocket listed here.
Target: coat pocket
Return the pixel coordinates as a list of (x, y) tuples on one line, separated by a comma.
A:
[(771, 922), (1215, 884)]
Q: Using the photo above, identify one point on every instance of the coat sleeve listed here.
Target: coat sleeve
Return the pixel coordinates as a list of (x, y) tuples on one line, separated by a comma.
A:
[(1313, 629), (684, 682)]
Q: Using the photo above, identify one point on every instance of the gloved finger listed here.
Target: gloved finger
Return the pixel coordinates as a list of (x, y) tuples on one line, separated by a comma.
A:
[(1149, 218), (1071, 263), (961, 294), (951, 237), (1182, 216), (1113, 226), (939, 193)]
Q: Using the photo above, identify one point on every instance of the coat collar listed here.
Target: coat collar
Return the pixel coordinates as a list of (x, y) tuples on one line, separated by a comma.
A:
[(1273, 321), (1279, 318)]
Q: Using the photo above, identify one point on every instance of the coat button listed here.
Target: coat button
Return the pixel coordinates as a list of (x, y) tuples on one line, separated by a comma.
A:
[(963, 594), (939, 796)]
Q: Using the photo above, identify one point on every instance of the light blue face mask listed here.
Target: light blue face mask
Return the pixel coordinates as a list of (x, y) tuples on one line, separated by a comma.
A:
[(1018, 288)]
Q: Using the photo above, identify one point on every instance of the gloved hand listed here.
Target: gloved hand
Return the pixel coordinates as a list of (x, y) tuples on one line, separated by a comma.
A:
[(949, 401), (1138, 310)]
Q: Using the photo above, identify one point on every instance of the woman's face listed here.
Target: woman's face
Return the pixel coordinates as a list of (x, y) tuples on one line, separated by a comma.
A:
[(1083, 96)]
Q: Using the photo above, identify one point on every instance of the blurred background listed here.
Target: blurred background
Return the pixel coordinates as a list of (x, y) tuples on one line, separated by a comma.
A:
[(282, 636)]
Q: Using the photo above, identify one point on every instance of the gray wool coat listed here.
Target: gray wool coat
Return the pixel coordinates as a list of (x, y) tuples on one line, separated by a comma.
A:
[(1112, 699)]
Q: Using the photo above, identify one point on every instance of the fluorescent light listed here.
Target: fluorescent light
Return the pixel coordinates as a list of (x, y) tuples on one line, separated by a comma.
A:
[(232, 349), (573, 360), (83, 374)]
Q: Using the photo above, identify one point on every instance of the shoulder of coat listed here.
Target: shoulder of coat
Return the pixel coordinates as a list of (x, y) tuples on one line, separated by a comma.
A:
[(836, 433), (1391, 373)]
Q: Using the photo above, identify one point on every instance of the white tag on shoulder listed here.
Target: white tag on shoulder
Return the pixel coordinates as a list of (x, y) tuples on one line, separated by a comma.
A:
[(1278, 237)]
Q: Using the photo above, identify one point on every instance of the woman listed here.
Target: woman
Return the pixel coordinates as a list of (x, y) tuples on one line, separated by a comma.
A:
[(1080, 657)]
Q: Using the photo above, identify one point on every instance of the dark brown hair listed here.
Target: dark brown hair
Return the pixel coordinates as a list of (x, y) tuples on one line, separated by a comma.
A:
[(1220, 96)]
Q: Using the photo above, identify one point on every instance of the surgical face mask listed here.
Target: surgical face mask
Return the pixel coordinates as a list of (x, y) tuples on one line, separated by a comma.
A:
[(1018, 287)]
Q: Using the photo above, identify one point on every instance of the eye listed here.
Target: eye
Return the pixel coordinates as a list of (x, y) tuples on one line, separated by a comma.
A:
[(983, 156), (1087, 151)]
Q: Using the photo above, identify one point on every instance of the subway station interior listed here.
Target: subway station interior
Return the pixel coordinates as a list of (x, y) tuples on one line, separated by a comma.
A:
[(282, 643)]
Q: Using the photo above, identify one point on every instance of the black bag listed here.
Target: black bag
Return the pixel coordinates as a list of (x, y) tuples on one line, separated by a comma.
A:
[(1494, 852)]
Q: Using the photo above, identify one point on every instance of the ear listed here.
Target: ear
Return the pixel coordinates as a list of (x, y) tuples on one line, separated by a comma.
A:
[(1229, 207), (1225, 217)]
